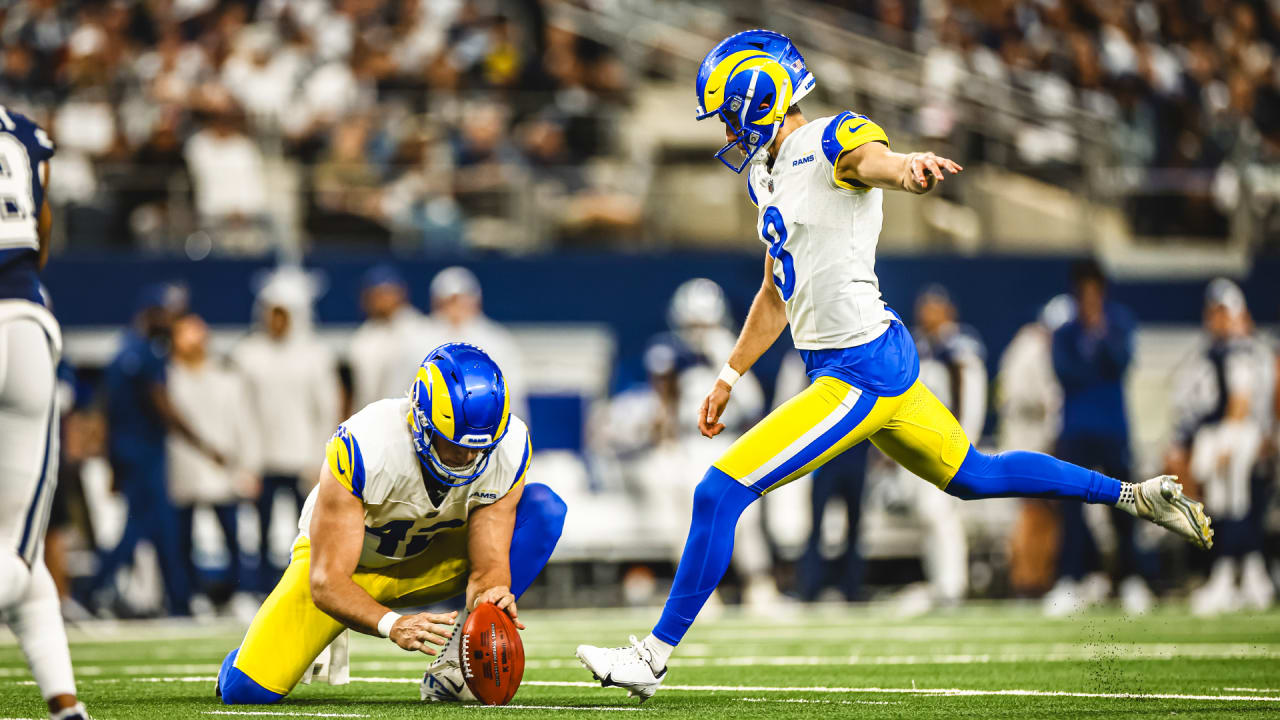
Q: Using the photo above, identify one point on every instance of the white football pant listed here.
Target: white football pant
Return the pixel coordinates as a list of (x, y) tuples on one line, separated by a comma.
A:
[(28, 466)]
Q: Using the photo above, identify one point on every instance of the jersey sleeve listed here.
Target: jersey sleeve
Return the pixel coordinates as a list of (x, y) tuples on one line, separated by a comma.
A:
[(345, 461), (526, 459), (849, 131)]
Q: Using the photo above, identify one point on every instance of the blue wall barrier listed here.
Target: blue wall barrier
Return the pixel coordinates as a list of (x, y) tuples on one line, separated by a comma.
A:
[(628, 292)]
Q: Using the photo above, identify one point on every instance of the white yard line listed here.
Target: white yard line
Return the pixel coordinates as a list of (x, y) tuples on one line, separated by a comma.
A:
[(945, 692), (280, 714), (820, 702), (551, 707), (1034, 653), (1251, 690), (932, 692)]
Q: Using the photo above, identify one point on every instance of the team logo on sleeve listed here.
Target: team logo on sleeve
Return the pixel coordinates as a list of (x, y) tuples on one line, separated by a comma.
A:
[(345, 462)]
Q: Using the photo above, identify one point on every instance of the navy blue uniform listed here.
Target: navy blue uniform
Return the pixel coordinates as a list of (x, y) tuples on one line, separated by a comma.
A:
[(138, 461), (23, 147)]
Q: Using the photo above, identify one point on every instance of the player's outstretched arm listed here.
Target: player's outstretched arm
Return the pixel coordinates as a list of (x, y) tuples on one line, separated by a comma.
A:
[(337, 537), (876, 165), (765, 321), (489, 549)]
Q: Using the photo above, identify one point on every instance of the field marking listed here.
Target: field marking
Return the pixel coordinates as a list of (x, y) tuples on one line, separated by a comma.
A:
[(943, 692), (819, 702), (1064, 652), (282, 714), (931, 692), (1252, 690), (602, 708)]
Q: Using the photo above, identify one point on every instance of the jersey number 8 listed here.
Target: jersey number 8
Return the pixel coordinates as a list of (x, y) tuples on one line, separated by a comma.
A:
[(774, 232)]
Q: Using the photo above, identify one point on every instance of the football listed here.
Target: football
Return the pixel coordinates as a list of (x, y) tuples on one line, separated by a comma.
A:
[(491, 655)]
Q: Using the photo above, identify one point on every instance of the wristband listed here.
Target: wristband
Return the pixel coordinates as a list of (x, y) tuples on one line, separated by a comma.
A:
[(729, 375), (387, 621)]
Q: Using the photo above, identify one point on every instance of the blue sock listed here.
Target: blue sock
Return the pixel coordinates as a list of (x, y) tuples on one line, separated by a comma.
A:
[(718, 502), (1029, 474), (539, 521)]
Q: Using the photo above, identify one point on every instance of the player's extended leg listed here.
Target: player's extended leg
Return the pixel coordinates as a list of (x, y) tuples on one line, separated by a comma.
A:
[(924, 437), (824, 420)]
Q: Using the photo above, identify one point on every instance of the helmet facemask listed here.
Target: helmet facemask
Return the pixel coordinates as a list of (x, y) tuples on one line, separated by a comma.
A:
[(423, 434), (749, 112)]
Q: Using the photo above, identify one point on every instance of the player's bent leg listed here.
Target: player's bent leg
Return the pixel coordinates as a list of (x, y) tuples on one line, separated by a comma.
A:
[(287, 634), (539, 522), (237, 688)]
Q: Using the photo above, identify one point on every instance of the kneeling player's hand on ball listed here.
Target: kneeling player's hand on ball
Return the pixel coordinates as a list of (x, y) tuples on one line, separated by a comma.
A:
[(420, 632), (501, 596)]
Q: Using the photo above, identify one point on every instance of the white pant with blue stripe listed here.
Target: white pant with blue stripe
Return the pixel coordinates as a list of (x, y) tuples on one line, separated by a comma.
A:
[(30, 344), (28, 435)]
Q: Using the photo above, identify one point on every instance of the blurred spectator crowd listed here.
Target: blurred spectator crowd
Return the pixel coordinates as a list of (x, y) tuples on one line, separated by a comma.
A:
[(1187, 93), (228, 126)]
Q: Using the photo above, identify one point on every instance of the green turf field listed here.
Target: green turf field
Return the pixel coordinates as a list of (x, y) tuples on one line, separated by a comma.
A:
[(985, 661)]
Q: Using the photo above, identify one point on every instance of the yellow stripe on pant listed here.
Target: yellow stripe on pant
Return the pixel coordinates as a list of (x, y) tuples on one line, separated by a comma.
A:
[(831, 416), (289, 631)]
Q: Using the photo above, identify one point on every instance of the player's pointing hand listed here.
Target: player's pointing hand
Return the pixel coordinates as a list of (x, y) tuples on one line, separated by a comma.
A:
[(927, 169), (712, 408), (418, 633)]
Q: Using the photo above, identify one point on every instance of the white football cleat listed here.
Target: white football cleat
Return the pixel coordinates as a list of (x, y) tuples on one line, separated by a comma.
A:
[(443, 682), (1161, 501), (627, 667)]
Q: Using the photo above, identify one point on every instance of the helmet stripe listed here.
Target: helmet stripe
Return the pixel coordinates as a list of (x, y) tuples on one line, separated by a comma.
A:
[(506, 415), (442, 410)]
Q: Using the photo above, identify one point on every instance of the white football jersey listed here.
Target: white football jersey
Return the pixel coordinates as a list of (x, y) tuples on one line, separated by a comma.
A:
[(372, 455), (822, 234)]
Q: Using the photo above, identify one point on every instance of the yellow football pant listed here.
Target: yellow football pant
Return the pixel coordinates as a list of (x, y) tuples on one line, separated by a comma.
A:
[(289, 631), (831, 416)]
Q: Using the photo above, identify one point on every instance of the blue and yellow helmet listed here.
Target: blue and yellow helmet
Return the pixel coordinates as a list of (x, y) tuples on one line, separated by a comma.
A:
[(460, 396), (751, 80)]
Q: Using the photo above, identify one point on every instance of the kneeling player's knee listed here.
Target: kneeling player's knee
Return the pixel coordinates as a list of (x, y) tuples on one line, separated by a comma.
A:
[(549, 508), (236, 688)]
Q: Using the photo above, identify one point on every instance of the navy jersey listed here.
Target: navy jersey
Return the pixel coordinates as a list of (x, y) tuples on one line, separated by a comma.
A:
[(23, 146)]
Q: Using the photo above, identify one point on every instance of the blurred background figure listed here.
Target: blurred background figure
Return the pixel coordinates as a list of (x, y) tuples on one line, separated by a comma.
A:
[(1030, 402), (293, 385), (375, 353), (650, 428), (140, 416), (217, 405), (1225, 413), (1091, 356), (953, 366), (457, 315)]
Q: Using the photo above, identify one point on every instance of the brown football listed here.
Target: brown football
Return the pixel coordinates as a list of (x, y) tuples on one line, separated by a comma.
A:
[(491, 655)]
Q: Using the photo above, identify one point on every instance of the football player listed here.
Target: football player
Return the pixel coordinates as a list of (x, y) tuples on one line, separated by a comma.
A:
[(30, 345), (420, 498), (818, 186)]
